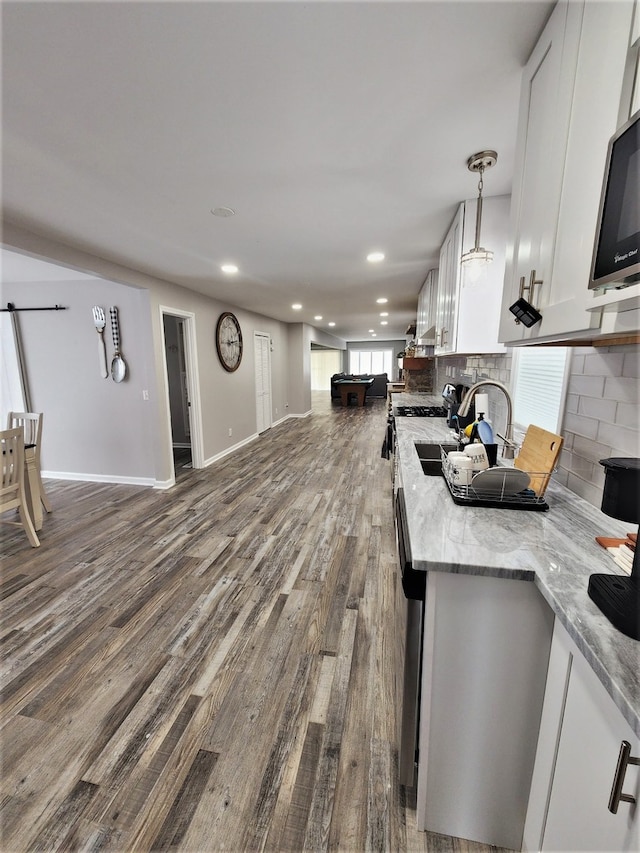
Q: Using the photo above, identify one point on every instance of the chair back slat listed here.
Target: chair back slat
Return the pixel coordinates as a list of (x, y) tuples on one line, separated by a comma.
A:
[(31, 424), (12, 452), (12, 491)]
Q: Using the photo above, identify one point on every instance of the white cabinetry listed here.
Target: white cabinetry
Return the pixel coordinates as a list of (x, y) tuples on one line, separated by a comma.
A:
[(450, 253), (484, 664), (570, 103), (468, 307), (580, 737), (427, 306)]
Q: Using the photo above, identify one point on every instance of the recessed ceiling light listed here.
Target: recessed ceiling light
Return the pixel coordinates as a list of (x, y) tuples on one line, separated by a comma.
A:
[(370, 331), (383, 323), (375, 257), (230, 269), (224, 212), (374, 335), (382, 301), (318, 317), (384, 313), (296, 306), (331, 324)]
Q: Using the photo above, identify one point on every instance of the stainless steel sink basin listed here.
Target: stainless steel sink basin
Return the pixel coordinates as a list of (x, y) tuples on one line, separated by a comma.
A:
[(430, 456)]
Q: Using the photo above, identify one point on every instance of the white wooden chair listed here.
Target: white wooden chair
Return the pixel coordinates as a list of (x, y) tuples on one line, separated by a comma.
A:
[(12, 491), (31, 425)]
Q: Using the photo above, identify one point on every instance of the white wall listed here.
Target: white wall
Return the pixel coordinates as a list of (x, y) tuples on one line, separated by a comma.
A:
[(95, 428), (91, 426)]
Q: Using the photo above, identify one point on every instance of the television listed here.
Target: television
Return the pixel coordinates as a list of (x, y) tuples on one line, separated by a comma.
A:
[(616, 251)]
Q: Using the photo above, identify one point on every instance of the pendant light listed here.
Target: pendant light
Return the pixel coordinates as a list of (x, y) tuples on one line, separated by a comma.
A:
[(478, 256)]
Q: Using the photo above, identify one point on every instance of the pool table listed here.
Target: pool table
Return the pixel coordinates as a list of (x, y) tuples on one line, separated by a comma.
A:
[(359, 387)]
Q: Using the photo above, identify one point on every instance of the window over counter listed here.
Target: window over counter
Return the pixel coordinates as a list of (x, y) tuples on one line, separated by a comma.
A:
[(371, 361), (539, 385)]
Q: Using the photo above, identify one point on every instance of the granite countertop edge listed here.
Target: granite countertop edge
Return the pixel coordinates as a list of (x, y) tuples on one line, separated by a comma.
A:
[(556, 550)]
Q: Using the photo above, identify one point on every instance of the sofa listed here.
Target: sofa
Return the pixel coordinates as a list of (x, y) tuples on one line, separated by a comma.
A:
[(378, 389)]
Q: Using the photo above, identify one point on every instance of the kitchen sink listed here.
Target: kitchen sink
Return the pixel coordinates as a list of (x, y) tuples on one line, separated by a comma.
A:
[(430, 456)]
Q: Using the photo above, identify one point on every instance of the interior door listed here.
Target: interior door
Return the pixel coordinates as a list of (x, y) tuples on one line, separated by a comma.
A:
[(262, 355), (179, 402)]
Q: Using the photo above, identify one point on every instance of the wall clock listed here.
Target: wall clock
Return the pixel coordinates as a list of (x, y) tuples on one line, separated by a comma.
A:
[(229, 341)]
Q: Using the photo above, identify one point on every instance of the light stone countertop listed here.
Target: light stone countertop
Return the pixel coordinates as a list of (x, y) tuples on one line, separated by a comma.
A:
[(555, 549)]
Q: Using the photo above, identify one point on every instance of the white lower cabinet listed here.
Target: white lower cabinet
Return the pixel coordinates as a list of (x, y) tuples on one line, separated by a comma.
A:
[(485, 652), (580, 737)]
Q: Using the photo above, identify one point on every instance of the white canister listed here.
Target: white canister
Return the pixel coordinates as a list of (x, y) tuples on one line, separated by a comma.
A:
[(478, 456), (462, 470)]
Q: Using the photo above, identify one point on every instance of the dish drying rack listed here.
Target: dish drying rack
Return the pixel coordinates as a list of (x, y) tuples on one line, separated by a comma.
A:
[(470, 496)]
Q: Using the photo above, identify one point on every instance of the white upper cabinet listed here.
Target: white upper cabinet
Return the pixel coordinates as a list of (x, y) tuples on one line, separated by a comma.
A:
[(427, 308), (468, 305), (570, 104), (448, 283)]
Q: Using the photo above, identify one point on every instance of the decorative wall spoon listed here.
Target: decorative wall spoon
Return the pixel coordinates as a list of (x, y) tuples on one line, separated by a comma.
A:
[(118, 364)]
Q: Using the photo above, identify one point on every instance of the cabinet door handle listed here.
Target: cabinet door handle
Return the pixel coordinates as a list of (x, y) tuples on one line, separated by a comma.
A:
[(624, 758), (529, 288)]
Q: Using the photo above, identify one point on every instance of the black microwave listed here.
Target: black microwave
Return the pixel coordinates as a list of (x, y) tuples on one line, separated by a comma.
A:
[(616, 251)]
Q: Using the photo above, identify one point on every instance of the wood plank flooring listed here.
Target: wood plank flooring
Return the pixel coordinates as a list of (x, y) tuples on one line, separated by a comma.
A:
[(215, 667)]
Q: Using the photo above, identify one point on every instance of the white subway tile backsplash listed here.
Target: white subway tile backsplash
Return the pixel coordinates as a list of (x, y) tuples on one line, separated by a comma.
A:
[(624, 441), (621, 388), (589, 386), (587, 427), (578, 465), (590, 449), (586, 490), (603, 410), (627, 415), (603, 364), (577, 362), (571, 403), (631, 365)]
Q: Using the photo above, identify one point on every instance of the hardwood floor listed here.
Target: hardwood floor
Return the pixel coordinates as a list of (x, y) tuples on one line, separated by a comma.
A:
[(214, 667)]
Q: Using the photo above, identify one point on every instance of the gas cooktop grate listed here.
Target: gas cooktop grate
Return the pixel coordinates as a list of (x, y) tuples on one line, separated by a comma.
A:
[(421, 411)]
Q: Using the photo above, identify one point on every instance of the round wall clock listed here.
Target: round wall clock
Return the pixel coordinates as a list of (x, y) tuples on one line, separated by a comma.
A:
[(229, 341)]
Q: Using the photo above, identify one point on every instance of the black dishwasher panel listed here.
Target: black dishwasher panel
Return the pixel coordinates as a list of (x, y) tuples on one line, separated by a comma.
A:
[(413, 582)]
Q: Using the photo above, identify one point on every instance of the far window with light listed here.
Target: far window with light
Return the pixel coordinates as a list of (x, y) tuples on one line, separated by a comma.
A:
[(371, 361)]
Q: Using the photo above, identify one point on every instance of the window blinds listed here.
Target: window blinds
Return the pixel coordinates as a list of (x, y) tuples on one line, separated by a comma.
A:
[(539, 386), (371, 361)]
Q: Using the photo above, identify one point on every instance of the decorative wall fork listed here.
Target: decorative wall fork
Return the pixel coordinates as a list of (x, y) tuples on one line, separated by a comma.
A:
[(99, 320)]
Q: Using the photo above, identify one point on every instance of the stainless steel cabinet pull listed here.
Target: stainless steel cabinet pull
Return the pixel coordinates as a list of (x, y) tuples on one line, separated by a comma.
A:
[(529, 288), (624, 758)]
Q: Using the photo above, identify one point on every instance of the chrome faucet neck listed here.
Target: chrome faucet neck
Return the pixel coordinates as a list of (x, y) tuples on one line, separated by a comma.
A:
[(463, 411)]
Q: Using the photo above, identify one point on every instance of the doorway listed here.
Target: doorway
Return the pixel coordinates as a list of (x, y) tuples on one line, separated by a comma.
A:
[(262, 355), (181, 389)]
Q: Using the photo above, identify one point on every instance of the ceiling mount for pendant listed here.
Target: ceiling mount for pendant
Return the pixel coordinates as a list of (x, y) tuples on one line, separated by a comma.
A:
[(478, 256), (482, 160)]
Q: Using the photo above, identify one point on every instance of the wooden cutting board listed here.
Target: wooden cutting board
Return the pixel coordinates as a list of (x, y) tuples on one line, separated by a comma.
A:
[(538, 454)]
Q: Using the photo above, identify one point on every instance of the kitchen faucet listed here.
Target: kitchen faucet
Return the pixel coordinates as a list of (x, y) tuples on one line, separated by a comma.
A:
[(509, 446)]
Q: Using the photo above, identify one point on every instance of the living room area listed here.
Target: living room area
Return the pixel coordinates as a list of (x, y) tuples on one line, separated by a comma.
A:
[(379, 364), (360, 360)]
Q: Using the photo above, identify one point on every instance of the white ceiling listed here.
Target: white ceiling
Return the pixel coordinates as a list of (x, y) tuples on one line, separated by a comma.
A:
[(331, 128)]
